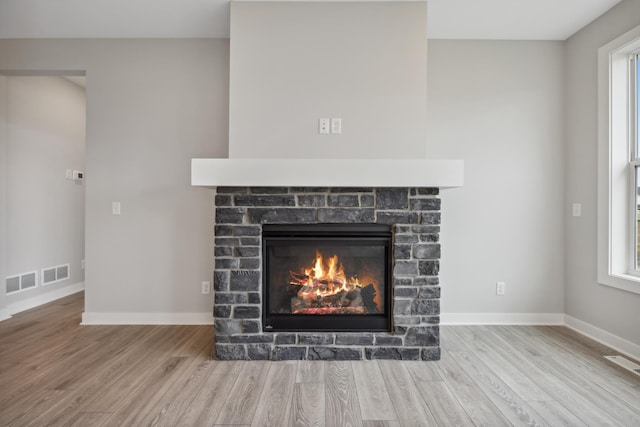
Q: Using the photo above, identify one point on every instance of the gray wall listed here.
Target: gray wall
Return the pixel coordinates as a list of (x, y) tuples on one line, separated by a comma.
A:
[(613, 310), (45, 135), (293, 63), (499, 106), (152, 105)]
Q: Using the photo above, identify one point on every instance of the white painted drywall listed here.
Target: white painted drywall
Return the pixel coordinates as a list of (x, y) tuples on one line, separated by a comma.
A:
[(45, 135), (613, 310), (498, 105), (293, 63), (152, 105)]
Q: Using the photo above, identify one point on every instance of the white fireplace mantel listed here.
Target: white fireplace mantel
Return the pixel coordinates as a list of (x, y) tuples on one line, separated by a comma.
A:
[(327, 173)]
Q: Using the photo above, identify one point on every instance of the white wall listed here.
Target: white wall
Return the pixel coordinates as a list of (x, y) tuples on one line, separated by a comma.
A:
[(45, 135), (612, 310), (152, 105), (295, 62), (499, 106)]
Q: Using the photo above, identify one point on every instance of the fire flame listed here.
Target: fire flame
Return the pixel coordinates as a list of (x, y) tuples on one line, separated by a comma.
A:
[(324, 288), (325, 278)]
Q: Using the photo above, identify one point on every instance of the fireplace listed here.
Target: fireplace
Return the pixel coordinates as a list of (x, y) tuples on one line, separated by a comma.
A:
[(276, 246), (326, 277)]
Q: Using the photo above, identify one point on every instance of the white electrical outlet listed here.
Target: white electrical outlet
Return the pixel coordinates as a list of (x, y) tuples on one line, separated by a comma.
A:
[(500, 288), (577, 209), (323, 126), (206, 287), (68, 174), (115, 208), (336, 125)]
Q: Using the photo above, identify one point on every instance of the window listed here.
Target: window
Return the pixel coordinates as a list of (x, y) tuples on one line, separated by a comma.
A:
[(619, 163), (634, 167)]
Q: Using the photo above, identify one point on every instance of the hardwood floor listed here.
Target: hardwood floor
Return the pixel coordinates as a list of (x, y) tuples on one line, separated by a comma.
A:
[(55, 372)]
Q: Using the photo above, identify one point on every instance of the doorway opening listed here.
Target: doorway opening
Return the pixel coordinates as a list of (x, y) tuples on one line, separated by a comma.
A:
[(42, 187)]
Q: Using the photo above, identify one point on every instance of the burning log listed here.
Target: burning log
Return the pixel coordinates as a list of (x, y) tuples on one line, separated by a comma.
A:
[(344, 302), (299, 277), (368, 294), (330, 310), (324, 283)]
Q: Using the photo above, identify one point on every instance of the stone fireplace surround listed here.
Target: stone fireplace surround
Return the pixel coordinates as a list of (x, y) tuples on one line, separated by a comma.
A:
[(413, 212)]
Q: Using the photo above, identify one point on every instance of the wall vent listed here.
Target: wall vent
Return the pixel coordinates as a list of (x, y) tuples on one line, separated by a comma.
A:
[(21, 282), (55, 274)]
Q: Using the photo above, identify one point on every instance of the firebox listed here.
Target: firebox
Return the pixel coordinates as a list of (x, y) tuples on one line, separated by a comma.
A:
[(327, 277)]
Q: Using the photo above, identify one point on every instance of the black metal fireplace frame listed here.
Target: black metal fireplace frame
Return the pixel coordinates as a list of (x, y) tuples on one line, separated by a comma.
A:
[(354, 235)]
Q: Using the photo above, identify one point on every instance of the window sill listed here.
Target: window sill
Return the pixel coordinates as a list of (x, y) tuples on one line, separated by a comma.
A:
[(625, 282)]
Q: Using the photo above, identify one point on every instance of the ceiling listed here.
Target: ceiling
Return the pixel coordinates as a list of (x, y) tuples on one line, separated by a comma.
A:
[(447, 19)]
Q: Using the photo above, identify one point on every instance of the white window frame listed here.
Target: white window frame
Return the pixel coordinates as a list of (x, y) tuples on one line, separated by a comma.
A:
[(616, 211), (634, 160)]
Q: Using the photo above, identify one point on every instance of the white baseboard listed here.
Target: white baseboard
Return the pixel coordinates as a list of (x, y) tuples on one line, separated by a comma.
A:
[(502, 319), (29, 303), (98, 318), (615, 342)]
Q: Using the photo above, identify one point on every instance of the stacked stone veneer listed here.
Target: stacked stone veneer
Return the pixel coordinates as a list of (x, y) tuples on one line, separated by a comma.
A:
[(414, 214)]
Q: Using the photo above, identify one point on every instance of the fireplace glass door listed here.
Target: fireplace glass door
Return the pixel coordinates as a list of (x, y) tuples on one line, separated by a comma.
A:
[(326, 277)]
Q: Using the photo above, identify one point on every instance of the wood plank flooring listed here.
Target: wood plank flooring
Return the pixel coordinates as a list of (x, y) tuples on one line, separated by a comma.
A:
[(55, 372)]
